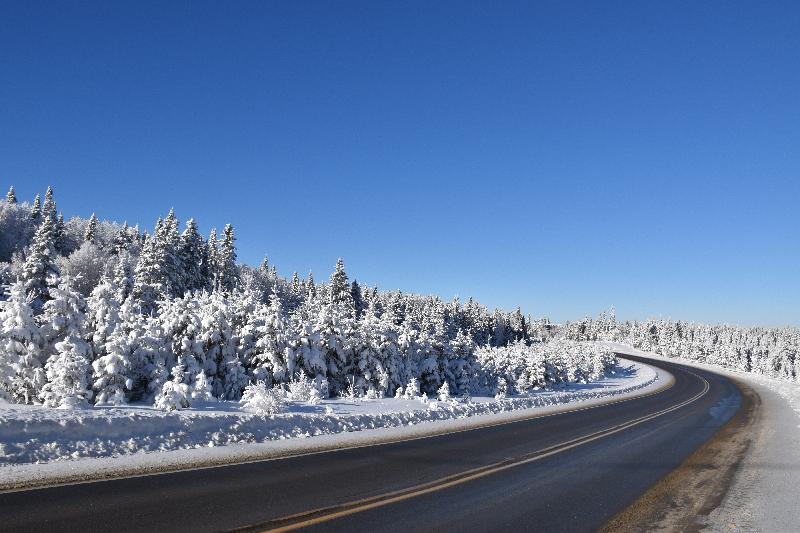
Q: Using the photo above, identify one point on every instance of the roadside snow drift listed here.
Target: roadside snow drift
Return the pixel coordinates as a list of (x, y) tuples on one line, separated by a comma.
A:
[(35, 434)]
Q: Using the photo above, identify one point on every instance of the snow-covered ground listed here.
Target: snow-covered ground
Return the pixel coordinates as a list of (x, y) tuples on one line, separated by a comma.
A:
[(763, 495), (39, 444)]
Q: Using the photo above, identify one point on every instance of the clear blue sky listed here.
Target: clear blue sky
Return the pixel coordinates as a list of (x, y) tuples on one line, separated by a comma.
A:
[(561, 156)]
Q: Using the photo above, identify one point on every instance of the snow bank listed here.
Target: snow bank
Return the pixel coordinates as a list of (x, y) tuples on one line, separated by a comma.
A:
[(30, 434)]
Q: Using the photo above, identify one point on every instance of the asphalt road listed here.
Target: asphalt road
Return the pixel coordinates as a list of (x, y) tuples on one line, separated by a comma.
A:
[(567, 472)]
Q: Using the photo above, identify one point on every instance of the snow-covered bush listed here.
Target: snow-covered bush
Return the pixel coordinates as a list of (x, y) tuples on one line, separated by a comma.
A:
[(501, 392), (412, 389), (201, 389), (174, 394), (259, 399), (303, 389), (444, 392)]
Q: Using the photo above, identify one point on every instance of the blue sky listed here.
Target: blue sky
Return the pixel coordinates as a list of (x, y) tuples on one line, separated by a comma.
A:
[(560, 156)]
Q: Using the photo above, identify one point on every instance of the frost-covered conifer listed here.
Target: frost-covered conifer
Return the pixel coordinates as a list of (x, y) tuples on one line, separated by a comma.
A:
[(21, 372), (91, 229), (201, 390), (412, 389), (49, 207), (40, 263), (228, 274), (68, 363), (36, 209), (193, 254), (501, 391), (174, 394), (444, 392), (11, 196)]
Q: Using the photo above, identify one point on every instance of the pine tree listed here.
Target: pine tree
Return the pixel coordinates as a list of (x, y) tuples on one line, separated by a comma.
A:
[(91, 229), (49, 207), (174, 394), (40, 263), (123, 240), (311, 286), (36, 209), (268, 361), (21, 372), (193, 254), (358, 299), (67, 366), (340, 287), (11, 196), (148, 285), (59, 234), (211, 269), (228, 273), (123, 277)]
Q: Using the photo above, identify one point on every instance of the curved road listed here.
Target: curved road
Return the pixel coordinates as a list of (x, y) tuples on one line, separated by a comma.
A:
[(567, 472)]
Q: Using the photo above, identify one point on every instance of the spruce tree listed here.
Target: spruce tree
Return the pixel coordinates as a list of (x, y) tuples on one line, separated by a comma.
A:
[(59, 233), (21, 372), (36, 209), (11, 196), (211, 268), (49, 207), (91, 230), (358, 299), (228, 273), (40, 263), (193, 255), (67, 366)]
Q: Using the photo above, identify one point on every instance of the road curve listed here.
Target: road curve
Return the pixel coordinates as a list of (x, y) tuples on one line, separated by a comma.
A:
[(568, 472)]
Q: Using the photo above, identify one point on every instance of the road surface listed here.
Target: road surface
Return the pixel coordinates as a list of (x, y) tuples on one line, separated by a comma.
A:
[(567, 472)]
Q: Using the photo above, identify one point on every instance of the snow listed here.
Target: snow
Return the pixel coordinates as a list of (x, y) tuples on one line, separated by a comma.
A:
[(763, 495), (40, 445)]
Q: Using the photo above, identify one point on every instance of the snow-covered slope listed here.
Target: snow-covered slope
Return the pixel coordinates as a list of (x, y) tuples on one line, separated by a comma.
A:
[(124, 435)]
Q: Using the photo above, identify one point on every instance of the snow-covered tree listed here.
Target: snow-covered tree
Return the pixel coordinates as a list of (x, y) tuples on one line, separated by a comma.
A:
[(228, 274), (40, 263), (21, 372), (91, 229), (193, 253), (70, 355), (174, 394), (11, 196)]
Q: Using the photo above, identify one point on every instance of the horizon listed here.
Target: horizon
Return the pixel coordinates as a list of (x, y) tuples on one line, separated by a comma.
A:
[(560, 158)]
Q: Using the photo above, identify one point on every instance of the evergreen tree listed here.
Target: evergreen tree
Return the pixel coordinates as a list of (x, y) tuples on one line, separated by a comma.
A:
[(11, 196), (67, 367), (59, 234), (340, 287), (228, 273), (36, 209), (49, 207), (21, 372), (193, 254), (123, 240), (40, 263), (123, 277), (91, 229), (358, 299), (211, 270)]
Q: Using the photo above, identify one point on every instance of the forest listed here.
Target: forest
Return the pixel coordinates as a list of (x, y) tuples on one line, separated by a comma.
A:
[(96, 312)]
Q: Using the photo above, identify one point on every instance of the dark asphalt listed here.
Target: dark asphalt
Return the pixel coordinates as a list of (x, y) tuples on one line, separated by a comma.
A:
[(577, 489)]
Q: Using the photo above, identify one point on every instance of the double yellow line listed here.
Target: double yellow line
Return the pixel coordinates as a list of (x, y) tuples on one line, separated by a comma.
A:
[(325, 514)]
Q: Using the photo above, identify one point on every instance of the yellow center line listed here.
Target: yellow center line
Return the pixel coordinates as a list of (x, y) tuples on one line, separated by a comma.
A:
[(317, 516)]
